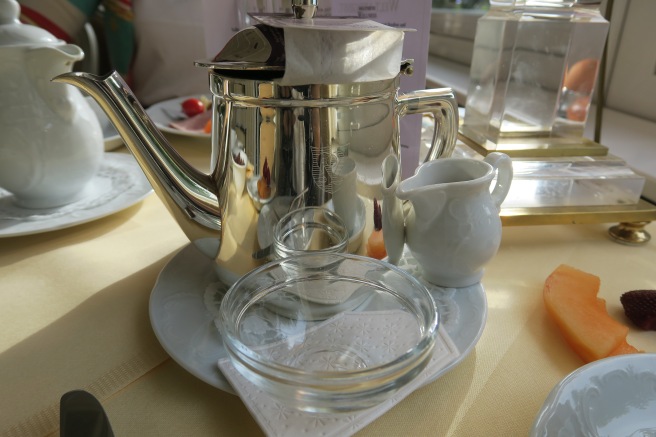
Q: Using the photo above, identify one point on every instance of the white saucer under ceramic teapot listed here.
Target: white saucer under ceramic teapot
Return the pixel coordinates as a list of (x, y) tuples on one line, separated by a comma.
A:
[(51, 143)]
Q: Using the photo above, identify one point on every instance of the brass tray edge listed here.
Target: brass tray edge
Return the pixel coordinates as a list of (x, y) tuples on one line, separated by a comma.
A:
[(643, 211), (587, 148)]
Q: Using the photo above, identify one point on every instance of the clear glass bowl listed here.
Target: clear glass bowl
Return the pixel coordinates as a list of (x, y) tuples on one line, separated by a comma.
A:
[(340, 337), (310, 228)]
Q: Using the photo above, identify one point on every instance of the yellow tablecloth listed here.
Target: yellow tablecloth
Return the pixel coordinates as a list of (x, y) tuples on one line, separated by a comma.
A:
[(74, 314)]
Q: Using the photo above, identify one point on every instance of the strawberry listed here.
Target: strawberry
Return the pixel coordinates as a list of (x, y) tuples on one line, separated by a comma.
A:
[(640, 308)]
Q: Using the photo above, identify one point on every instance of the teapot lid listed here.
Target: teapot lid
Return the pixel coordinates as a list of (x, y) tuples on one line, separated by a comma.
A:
[(314, 49), (14, 33)]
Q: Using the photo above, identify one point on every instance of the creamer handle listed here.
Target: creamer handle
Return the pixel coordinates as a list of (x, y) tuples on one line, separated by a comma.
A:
[(502, 164)]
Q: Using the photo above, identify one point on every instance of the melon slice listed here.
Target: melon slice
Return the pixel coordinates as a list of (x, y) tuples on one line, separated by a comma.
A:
[(624, 348), (570, 297)]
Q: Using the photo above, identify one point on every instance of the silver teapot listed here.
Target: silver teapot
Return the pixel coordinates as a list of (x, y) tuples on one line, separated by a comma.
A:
[(274, 148)]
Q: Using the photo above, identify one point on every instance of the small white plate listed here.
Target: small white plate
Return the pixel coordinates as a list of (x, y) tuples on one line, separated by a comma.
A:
[(112, 139), (185, 300), (119, 183), (163, 113), (615, 396)]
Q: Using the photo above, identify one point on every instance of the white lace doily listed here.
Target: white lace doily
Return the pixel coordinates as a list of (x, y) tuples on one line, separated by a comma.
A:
[(118, 184)]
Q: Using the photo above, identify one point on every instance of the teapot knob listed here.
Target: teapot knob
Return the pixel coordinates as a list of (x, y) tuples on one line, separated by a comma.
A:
[(9, 11), (304, 8)]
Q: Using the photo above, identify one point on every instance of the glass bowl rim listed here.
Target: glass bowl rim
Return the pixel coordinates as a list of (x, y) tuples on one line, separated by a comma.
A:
[(340, 246), (293, 375)]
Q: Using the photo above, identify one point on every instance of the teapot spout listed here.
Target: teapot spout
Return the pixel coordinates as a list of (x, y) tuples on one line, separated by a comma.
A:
[(189, 195)]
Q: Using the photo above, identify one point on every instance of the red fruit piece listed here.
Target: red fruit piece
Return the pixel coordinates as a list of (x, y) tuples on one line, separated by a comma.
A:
[(192, 106), (640, 308)]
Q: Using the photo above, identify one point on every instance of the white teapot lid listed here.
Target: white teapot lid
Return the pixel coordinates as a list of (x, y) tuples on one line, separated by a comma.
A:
[(14, 33)]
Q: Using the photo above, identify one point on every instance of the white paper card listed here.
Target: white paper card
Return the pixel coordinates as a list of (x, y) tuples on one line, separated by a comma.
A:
[(277, 419)]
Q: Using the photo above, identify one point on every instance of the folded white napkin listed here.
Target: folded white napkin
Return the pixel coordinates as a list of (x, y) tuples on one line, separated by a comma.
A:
[(277, 419)]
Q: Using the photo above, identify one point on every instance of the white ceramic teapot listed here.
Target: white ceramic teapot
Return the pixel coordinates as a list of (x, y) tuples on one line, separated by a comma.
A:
[(51, 143), (451, 223)]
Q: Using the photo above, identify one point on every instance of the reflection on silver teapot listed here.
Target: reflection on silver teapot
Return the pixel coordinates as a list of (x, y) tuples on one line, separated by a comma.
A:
[(274, 147)]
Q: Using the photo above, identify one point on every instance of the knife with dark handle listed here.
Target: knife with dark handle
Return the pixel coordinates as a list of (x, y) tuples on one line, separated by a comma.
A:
[(81, 415)]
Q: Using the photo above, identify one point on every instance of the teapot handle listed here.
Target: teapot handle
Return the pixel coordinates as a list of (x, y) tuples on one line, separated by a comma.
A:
[(502, 165), (442, 104)]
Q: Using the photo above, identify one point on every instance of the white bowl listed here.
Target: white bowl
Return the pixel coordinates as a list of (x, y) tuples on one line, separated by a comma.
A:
[(611, 397)]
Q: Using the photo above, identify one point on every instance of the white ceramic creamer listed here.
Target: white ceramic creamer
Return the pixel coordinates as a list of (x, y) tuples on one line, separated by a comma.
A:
[(452, 227)]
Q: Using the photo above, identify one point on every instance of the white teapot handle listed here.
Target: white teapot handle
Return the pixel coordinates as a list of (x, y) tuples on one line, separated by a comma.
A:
[(502, 164)]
